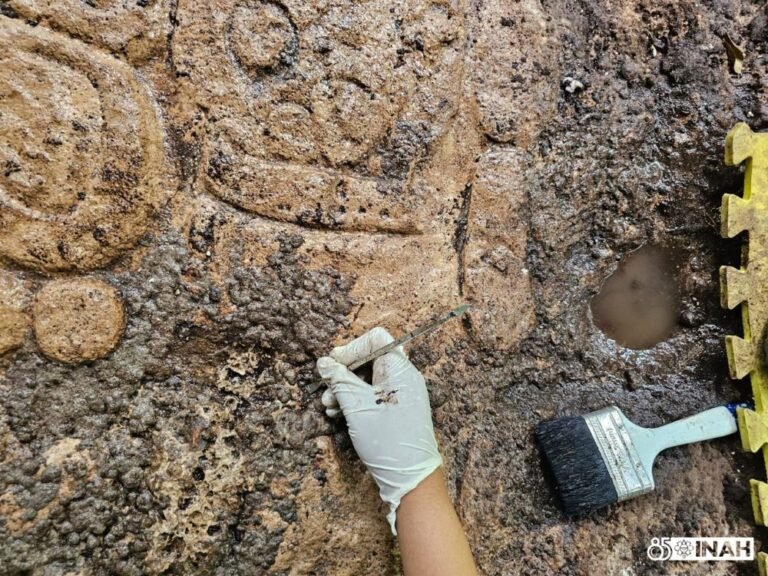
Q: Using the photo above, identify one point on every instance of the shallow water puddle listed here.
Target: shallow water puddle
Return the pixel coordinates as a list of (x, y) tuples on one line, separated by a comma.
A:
[(639, 304)]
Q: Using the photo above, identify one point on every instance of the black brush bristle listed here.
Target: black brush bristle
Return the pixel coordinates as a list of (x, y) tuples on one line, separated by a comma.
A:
[(582, 481)]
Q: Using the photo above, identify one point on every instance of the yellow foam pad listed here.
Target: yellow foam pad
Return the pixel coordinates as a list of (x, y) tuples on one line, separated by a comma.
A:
[(747, 287)]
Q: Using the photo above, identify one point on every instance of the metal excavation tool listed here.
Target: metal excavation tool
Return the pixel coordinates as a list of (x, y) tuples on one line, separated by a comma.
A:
[(426, 329), (420, 331)]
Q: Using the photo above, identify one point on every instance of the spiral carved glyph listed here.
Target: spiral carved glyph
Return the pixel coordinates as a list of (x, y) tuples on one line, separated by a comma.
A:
[(81, 152)]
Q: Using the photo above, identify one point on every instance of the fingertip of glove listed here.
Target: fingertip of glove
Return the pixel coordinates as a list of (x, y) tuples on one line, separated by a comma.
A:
[(380, 335), (333, 412), (326, 366), (336, 353), (362, 345), (329, 399)]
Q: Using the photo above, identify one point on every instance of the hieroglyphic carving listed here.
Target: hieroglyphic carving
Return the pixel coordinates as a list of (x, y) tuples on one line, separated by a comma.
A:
[(345, 117), (496, 278), (514, 94), (83, 170), (319, 115), (81, 150)]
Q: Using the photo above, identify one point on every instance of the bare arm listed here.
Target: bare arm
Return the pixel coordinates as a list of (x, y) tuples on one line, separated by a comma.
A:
[(390, 423), (432, 541)]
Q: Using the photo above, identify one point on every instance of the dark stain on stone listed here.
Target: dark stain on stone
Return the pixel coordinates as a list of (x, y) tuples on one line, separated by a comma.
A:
[(284, 311), (460, 235)]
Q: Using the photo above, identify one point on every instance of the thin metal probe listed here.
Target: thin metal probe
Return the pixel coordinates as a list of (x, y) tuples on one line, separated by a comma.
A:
[(427, 328)]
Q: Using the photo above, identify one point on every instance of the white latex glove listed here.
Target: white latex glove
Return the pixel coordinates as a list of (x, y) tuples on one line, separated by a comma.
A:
[(390, 422)]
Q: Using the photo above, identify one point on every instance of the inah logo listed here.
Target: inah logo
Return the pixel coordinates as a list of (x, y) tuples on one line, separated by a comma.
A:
[(684, 548), (701, 549)]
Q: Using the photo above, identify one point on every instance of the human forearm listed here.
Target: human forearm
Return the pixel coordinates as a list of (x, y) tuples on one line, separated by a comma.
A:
[(390, 423), (432, 541)]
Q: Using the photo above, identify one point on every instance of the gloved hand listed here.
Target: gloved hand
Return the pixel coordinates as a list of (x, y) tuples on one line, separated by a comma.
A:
[(390, 422)]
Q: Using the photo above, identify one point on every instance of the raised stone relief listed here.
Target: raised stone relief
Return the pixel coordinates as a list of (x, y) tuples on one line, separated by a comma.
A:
[(81, 150), (320, 115), (136, 29), (78, 319), (348, 118), (83, 174), (200, 198)]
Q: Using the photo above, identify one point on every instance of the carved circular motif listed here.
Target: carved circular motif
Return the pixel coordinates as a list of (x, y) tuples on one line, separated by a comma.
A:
[(81, 152), (350, 119), (78, 319), (261, 36)]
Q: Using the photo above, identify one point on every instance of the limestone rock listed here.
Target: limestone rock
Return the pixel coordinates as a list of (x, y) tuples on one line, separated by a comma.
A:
[(14, 315), (200, 198), (78, 319), (136, 29), (83, 157)]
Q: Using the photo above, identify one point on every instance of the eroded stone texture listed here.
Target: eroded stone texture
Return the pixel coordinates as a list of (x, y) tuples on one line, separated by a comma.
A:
[(493, 264), (78, 319), (513, 62), (344, 165), (81, 151), (14, 315), (320, 113), (64, 453), (136, 29), (292, 139), (326, 496)]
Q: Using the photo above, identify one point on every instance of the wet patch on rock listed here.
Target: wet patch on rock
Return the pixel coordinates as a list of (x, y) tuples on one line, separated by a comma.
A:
[(638, 305)]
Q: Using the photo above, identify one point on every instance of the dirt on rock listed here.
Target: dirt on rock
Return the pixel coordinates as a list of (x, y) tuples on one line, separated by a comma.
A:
[(254, 182)]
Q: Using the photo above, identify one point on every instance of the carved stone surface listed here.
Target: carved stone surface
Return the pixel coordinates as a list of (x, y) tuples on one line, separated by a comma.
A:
[(78, 319), (320, 114), (346, 119), (81, 150), (135, 29), (200, 198), (14, 317)]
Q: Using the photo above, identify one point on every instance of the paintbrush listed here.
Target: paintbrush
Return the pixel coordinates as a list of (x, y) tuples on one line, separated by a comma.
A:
[(602, 457)]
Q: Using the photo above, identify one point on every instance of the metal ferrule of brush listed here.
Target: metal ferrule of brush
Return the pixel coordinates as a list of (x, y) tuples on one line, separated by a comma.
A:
[(624, 464), (603, 457)]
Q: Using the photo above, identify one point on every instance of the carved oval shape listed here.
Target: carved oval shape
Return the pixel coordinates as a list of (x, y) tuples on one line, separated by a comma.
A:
[(81, 150)]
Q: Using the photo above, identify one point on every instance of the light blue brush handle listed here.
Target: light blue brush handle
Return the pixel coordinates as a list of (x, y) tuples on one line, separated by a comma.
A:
[(707, 425)]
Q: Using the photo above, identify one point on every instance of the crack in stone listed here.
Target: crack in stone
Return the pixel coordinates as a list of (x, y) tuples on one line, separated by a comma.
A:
[(461, 235), (172, 13)]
